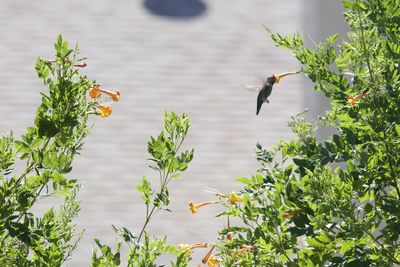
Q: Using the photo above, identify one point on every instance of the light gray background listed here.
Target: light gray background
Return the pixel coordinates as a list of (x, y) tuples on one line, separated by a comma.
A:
[(195, 66)]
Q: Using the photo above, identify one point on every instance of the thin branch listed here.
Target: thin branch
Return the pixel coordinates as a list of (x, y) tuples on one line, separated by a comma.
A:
[(363, 43)]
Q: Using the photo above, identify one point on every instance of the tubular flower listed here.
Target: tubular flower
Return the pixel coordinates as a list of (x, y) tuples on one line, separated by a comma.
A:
[(245, 248), (81, 65), (193, 208), (186, 248), (277, 77), (199, 245), (94, 92), (234, 198), (114, 95), (208, 256), (104, 110), (352, 100), (290, 214), (303, 112)]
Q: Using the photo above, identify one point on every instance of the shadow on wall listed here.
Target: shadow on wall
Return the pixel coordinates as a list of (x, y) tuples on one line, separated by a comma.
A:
[(180, 9)]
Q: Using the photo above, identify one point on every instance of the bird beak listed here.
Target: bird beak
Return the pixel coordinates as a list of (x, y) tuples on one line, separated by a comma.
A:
[(279, 76)]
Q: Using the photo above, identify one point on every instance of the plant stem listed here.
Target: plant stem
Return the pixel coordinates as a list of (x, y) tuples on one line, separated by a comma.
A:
[(392, 170), (363, 43), (144, 225), (283, 249)]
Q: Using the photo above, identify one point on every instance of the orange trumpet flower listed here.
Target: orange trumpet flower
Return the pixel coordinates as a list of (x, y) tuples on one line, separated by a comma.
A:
[(114, 95), (104, 110), (352, 100), (208, 256), (193, 208), (290, 214), (188, 248), (281, 75), (245, 248), (95, 92)]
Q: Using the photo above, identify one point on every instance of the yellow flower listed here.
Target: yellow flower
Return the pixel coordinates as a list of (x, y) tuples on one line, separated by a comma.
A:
[(193, 208), (212, 261), (104, 110), (94, 92), (234, 198), (281, 75), (352, 100)]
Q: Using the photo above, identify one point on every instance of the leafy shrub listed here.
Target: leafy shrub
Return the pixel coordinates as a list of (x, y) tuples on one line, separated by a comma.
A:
[(48, 149), (334, 202), (169, 164)]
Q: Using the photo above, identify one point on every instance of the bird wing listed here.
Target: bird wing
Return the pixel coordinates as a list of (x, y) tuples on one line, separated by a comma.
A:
[(252, 88)]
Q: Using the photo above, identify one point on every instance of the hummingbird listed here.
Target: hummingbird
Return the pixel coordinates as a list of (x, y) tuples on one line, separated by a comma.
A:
[(266, 90)]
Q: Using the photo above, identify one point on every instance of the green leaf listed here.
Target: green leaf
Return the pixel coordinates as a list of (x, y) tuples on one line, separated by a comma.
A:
[(144, 187), (347, 245), (176, 176), (397, 126), (284, 150), (21, 147), (243, 180)]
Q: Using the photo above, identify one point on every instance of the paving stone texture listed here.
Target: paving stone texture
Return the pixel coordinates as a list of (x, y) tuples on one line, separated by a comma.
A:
[(196, 66)]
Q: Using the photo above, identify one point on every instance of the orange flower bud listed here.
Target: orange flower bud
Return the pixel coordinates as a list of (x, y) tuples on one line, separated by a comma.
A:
[(229, 237), (81, 65)]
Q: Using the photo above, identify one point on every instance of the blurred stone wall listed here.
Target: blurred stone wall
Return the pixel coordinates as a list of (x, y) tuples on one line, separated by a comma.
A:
[(194, 65)]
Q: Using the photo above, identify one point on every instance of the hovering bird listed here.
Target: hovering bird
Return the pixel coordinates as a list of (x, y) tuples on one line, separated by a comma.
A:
[(266, 90)]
